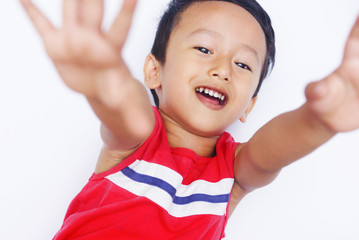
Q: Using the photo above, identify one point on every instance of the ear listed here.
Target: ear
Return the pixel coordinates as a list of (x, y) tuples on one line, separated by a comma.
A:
[(251, 104), (152, 72)]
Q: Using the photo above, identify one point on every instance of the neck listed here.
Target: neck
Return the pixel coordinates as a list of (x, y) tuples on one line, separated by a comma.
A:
[(178, 137)]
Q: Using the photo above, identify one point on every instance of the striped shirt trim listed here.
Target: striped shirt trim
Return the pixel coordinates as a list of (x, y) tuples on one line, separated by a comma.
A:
[(164, 186)]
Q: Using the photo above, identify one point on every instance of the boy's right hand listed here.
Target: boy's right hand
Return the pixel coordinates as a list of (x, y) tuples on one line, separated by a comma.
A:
[(89, 61), (82, 53)]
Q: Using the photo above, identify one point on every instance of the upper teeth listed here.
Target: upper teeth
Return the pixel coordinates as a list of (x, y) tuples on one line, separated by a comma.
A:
[(211, 93)]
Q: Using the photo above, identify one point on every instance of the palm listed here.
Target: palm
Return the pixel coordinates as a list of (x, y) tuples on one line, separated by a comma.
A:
[(335, 100), (81, 52), (87, 54)]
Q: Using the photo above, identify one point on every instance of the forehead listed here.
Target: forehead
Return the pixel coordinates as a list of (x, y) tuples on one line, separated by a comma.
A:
[(227, 20)]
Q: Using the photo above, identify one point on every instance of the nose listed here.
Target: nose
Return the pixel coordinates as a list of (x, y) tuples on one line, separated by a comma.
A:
[(221, 69)]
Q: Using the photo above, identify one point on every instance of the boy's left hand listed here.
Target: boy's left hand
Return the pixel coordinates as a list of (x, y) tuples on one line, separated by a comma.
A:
[(335, 99)]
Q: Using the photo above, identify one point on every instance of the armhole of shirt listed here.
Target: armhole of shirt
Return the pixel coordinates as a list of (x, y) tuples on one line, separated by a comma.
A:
[(230, 152)]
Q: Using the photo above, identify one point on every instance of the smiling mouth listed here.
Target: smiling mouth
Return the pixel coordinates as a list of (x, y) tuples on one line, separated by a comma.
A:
[(211, 96)]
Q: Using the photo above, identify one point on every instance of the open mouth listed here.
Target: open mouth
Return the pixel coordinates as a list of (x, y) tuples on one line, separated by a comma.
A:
[(211, 97)]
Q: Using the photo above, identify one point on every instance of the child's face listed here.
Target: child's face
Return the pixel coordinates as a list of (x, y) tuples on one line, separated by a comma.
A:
[(217, 46)]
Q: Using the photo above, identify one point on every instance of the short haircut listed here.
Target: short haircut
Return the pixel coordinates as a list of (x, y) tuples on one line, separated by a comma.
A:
[(172, 16)]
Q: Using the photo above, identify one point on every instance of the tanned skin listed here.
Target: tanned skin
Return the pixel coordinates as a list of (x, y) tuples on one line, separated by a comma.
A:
[(200, 54)]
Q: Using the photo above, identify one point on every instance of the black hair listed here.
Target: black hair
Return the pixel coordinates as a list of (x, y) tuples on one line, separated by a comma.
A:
[(172, 16)]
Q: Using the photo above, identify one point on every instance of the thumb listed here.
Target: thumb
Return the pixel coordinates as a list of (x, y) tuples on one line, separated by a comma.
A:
[(325, 95), (315, 91)]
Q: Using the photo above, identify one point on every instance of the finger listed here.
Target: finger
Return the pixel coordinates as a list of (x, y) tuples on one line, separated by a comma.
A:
[(70, 12), (326, 95), (92, 13), (352, 45), (316, 98), (315, 91), (40, 21), (121, 26), (355, 30)]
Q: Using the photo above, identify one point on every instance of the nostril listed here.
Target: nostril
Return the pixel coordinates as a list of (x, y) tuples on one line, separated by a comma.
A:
[(218, 76), (221, 74)]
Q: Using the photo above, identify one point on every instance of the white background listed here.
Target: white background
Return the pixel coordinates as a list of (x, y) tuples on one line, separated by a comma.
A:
[(49, 137)]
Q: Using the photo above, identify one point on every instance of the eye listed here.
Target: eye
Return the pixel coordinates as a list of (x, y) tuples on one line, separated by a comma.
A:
[(244, 66), (203, 50)]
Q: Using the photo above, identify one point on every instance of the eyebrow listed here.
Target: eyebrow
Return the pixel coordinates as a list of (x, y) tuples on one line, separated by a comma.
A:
[(205, 31), (217, 34)]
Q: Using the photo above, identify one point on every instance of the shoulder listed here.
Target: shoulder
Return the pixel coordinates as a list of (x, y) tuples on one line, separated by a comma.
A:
[(226, 148)]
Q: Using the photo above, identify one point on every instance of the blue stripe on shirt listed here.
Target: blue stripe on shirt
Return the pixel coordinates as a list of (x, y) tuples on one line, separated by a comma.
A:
[(157, 182)]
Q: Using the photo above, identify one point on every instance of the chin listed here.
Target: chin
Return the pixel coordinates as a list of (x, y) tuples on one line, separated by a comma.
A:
[(205, 130)]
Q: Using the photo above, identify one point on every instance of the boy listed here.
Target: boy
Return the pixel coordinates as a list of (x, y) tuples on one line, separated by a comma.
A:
[(210, 52)]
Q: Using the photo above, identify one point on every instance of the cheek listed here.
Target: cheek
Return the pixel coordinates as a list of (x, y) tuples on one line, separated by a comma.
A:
[(176, 78), (245, 92), (252, 85), (247, 85), (172, 88)]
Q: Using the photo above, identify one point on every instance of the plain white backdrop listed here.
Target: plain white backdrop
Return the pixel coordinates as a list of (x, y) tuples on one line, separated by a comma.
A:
[(49, 137)]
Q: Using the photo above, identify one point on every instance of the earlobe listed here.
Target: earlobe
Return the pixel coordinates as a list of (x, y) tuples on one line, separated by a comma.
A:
[(251, 104), (152, 72)]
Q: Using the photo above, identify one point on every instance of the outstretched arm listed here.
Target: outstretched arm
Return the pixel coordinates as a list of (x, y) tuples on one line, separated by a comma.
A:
[(89, 61), (332, 106)]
